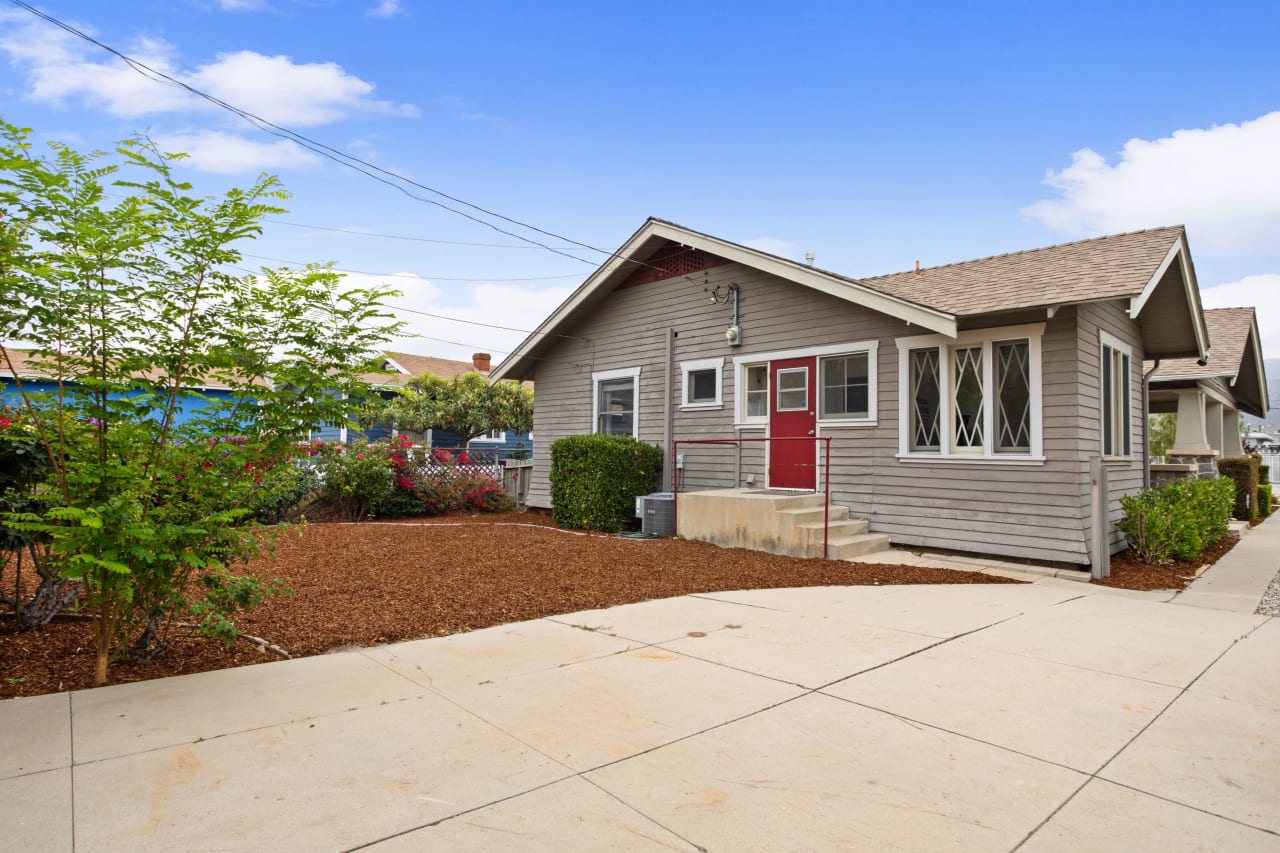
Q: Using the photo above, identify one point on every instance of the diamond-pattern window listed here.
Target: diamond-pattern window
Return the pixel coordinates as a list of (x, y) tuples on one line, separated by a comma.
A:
[(925, 400), (1013, 396), (968, 394)]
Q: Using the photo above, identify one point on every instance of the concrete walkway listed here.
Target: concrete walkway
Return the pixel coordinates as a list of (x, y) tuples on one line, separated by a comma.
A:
[(1041, 717), (1238, 580)]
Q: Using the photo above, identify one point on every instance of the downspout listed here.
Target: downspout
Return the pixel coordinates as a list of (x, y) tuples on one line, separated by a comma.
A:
[(1146, 424), (669, 391)]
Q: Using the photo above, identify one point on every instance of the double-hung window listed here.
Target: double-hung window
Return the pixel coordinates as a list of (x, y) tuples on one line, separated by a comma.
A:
[(1116, 368), (617, 397), (973, 397)]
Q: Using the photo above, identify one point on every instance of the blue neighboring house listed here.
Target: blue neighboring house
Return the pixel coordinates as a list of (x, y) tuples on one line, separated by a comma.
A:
[(36, 379), (398, 368)]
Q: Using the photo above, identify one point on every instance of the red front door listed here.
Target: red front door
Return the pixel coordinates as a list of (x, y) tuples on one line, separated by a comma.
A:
[(792, 464)]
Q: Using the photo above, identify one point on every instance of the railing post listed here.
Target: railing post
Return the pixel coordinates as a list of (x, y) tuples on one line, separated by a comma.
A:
[(826, 504)]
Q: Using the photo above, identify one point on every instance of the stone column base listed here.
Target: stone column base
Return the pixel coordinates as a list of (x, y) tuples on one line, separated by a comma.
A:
[(1205, 463)]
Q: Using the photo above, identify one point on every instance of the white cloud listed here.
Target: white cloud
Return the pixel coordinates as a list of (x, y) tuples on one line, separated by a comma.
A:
[(241, 5), (1260, 291), (772, 245), (1222, 182), (386, 9), (227, 154), (60, 67)]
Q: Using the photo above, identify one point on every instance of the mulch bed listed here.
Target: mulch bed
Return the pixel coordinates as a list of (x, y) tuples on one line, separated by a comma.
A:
[(1128, 572), (366, 584)]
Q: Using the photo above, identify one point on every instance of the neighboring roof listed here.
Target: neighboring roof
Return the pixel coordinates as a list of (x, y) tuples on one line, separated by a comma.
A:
[(29, 366), (1235, 354), (416, 365), (1119, 266), (1128, 266)]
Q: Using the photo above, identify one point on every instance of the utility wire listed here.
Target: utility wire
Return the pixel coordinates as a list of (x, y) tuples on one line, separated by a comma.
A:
[(360, 233), (336, 155), (394, 274)]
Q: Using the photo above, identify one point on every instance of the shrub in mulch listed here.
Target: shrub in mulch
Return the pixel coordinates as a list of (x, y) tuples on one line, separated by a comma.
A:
[(1244, 471)]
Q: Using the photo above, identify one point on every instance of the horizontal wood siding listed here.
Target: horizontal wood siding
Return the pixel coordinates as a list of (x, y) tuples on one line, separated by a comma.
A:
[(1123, 477), (1030, 511)]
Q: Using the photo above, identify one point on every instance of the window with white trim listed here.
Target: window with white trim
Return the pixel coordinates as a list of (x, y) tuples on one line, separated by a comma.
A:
[(756, 393), (701, 383), (616, 401), (846, 384), (1117, 381), (493, 435), (973, 397)]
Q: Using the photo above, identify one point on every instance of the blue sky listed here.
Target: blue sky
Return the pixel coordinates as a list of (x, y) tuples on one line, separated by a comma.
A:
[(870, 134)]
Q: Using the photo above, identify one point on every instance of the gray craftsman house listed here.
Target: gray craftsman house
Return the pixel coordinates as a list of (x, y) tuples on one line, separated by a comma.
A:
[(995, 406)]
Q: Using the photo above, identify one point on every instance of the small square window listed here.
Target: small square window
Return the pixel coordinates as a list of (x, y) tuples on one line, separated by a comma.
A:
[(793, 389), (701, 383), (702, 386)]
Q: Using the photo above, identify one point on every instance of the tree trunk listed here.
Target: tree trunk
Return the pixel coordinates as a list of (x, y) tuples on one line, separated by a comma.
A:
[(52, 594), (148, 645), (103, 650)]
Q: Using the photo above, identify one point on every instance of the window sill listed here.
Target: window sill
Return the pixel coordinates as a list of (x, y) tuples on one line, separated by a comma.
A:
[(1117, 460), (852, 422), (960, 459), (688, 407), (751, 425)]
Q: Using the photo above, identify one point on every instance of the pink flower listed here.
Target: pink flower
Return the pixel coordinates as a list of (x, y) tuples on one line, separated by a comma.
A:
[(359, 455), (5, 423)]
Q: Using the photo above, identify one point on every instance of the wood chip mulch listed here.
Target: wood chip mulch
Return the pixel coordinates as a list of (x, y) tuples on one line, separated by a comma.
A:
[(371, 583), (1128, 572)]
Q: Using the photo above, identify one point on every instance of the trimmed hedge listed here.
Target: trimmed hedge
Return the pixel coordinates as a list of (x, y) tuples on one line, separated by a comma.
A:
[(1264, 500), (595, 479), (1177, 521), (1264, 475), (1243, 470)]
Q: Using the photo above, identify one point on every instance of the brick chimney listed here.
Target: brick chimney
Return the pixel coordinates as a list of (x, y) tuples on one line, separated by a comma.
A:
[(480, 361)]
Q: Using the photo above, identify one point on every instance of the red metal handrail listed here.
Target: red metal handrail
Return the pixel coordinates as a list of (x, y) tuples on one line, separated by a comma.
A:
[(826, 474)]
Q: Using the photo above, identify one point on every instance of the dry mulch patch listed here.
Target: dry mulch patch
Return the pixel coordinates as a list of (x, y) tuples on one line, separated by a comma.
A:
[(1129, 572), (371, 583)]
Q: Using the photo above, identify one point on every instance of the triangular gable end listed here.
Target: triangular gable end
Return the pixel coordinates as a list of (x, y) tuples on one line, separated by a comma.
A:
[(628, 262)]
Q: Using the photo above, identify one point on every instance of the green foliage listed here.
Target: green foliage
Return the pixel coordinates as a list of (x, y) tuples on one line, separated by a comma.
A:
[(1264, 500), (1160, 432), (122, 283), (595, 479), (1177, 521), (1244, 472), (356, 478), (280, 490), (1264, 474), (467, 406)]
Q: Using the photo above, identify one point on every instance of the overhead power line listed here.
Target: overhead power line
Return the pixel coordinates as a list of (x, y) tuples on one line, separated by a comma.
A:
[(357, 232), (397, 274)]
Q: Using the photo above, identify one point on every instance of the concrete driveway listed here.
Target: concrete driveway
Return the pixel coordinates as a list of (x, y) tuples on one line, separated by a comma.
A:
[(1053, 715)]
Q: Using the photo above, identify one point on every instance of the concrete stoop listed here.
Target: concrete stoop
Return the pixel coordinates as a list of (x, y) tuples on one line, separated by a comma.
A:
[(776, 522)]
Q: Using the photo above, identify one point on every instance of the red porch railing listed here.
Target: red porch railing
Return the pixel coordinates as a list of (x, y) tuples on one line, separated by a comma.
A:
[(826, 473)]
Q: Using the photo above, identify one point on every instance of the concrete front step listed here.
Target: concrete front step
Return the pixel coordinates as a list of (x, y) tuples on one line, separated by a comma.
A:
[(811, 532), (813, 515), (846, 547)]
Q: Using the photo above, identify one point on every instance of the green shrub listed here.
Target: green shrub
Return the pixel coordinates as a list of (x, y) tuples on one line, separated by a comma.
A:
[(1244, 471), (595, 479), (280, 490), (1177, 521), (1264, 500), (1264, 475), (356, 478)]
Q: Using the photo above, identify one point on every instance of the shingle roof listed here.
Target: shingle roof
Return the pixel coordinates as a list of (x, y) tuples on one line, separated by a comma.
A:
[(1112, 267), (417, 365), (1229, 330), (30, 366)]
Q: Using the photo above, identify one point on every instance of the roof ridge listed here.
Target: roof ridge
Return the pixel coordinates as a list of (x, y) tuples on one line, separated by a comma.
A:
[(1030, 251)]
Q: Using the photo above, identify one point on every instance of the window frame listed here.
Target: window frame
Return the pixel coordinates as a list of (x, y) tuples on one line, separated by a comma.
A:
[(986, 339), (600, 376), (821, 387), (742, 362), (687, 368), (489, 438), (1106, 367)]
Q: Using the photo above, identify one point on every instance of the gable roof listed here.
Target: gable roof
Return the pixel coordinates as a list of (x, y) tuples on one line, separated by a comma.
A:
[(1131, 266), (416, 365), (1235, 355), (29, 366)]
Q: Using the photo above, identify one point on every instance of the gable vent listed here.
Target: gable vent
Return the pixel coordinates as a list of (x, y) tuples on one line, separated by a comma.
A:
[(671, 261)]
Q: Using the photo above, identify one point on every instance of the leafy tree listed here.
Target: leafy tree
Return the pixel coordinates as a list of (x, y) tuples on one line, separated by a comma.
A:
[(467, 405), (1161, 429), (127, 303)]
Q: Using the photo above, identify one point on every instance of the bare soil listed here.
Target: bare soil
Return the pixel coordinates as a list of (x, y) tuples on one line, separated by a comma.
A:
[(372, 583)]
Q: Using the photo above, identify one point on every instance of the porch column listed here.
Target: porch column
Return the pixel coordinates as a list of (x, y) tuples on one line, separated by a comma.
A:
[(1231, 444), (1192, 451), (1190, 437), (1213, 424)]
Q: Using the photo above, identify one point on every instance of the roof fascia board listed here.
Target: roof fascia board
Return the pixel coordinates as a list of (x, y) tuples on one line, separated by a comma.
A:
[(1255, 338), (928, 318), (1189, 377), (1179, 252)]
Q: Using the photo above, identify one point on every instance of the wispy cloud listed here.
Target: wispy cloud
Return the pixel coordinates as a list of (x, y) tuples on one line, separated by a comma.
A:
[(386, 9), (1260, 291), (1223, 182), (228, 154)]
